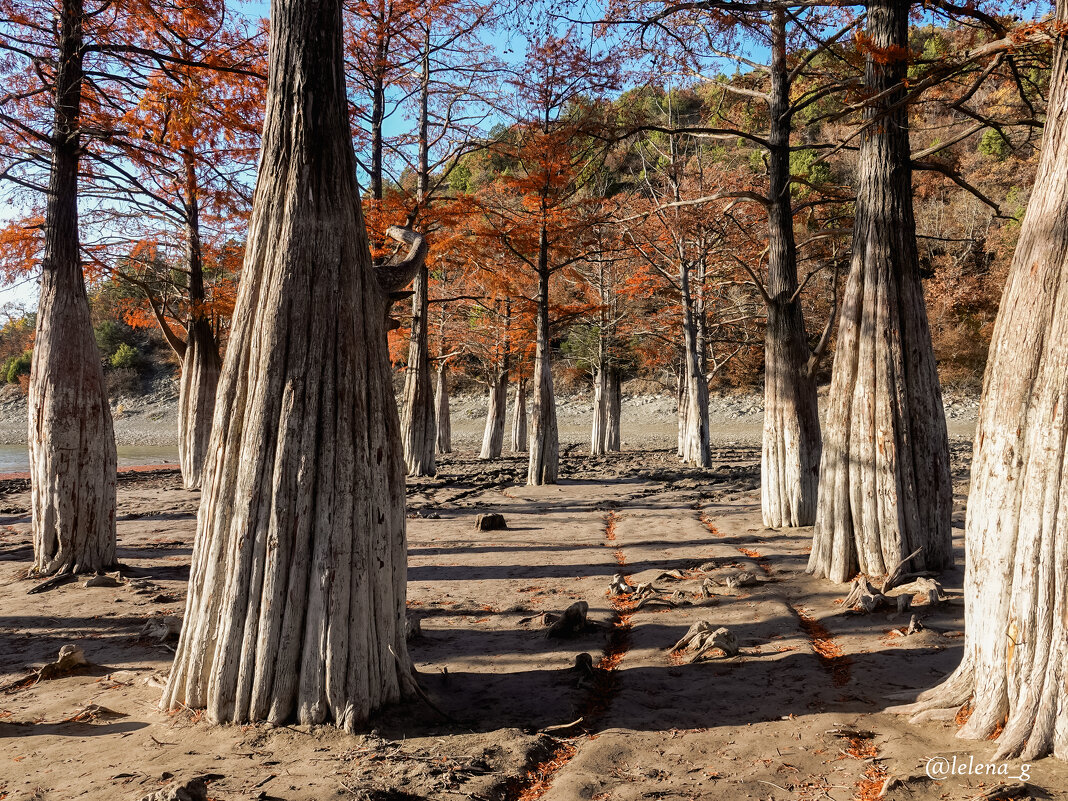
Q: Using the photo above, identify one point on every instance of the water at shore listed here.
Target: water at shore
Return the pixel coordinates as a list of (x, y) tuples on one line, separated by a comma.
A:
[(15, 459)]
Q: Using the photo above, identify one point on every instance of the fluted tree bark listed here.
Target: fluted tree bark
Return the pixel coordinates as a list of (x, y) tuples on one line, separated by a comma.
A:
[(791, 442), (419, 428), (885, 486), (1016, 582), (493, 434), (297, 587), (442, 415), (71, 440), (544, 444), (519, 417)]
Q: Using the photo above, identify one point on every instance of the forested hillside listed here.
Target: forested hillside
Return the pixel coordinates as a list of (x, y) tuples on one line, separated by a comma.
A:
[(624, 199)]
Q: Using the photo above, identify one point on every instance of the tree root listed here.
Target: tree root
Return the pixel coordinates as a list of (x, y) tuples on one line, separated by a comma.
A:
[(56, 581), (162, 628), (573, 621), (864, 597), (702, 638), (71, 660)]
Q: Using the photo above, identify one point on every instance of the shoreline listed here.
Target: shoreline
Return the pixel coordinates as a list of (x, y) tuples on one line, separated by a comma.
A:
[(150, 420)]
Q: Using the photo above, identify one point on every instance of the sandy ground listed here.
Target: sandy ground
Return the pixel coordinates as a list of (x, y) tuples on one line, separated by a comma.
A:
[(796, 715)]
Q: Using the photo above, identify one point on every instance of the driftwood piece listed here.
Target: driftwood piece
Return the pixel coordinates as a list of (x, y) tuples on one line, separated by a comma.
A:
[(742, 578), (104, 580), (571, 622), (194, 789), (70, 660), (895, 576), (490, 522), (619, 585), (1004, 790), (162, 628), (702, 637)]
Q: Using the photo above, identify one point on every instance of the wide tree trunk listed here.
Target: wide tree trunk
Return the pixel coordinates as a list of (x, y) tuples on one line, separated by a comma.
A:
[(519, 417), (442, 415), (418, 428), (493, 436), (790, 451), (1016, 583), (885, 486), (71, 440), (606, 407), (544, 436), (297, 587)]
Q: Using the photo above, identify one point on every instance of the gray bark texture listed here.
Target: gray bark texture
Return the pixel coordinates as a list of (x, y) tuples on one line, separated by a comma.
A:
[(199, 354), (791, 445), (1016, 584), (71, 440), (694, 445), (418, 427), (201, 366), (544, 459), (519, 417), (885, 486), (297, 588), (442, 416), (604, 437), (493, 435)]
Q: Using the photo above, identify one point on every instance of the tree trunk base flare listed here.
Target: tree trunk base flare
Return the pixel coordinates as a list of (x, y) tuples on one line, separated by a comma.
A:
[(696, 448), (201, 366), (791, 445), (519, 417), (442, 416), (493, 435), (296, 601), (885, 488), (604, 437), (1015, 659), (71, 440), (418, 427)]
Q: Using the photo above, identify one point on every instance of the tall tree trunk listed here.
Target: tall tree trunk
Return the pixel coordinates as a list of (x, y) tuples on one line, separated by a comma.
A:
[(790, 453), (519, 417), (442, 415), (493, 436), (544, 436), (297, 588), (419, 429), (71, 440), (682, 405), (695, 442), (600, 410), (885, 486), (612, 411), (1016, 583), (199, 355)]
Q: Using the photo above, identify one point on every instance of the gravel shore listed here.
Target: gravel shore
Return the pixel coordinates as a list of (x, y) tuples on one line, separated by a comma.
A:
[(149, 420)]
